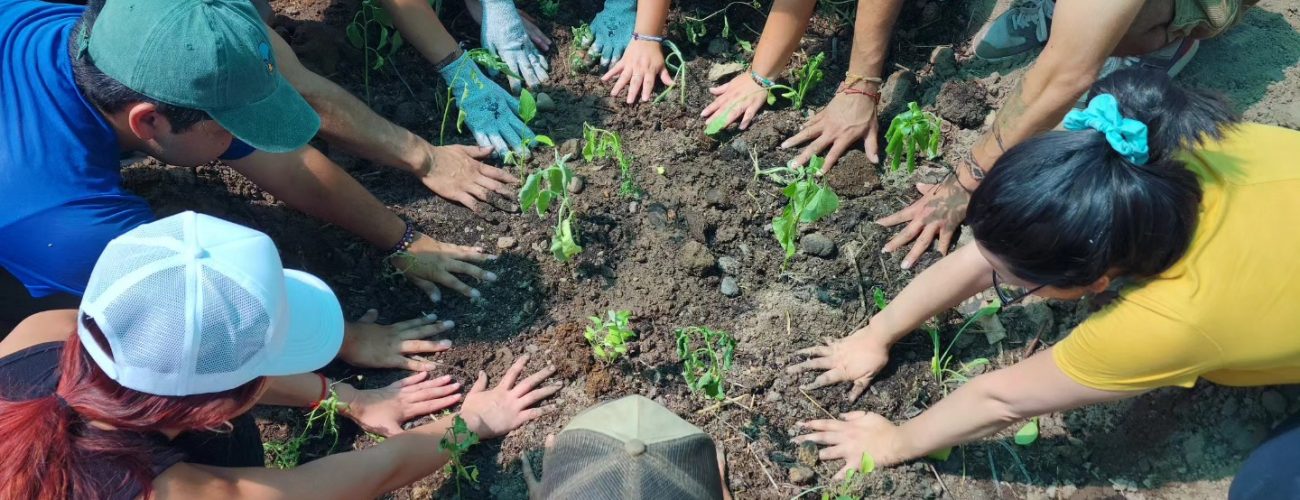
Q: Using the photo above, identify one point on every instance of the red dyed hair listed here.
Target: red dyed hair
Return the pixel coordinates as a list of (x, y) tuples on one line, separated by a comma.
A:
[(52, 454)]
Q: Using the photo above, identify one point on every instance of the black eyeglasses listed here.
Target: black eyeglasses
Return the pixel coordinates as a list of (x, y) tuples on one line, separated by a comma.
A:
[(1007, 297)]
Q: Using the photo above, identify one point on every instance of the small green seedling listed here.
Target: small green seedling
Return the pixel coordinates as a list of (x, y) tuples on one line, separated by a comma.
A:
[(550, 8), (695, 29), (527, 106), (288, 453), (676, 64), (1028, 433), (809, 201), (609, 337), (852, 485), (910, 132), (941, 362), (878, 296), (540, 191), (806, 77), (582, 38), (706, 356), (372, 31), (600, 144), (456, 442)]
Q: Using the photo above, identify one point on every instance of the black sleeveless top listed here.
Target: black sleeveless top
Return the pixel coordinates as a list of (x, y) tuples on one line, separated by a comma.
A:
[(34, 372)]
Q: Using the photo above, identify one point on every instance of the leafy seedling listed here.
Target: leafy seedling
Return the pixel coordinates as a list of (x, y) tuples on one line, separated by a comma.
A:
[(600, 144), (706, 356), (1028, 433), (911, 132), (541, 190), (287, 454), (609, 337), (582, 38), (676, 63), (806, 77), (371, 30), (941, 362), (854, 481), (456, 442), (695, 29), (809, 201), (550, 8), (878, 296)]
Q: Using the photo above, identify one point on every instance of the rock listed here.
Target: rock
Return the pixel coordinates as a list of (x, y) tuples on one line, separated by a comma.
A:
[(729, 264), (801, 474), (718, 46), (632, 206), (807, 453), (569, 148), (719, 71), (577, 184), (729, 287), (506, 242), (740, 146), (1274, 402), (943, 61), (817, 244), (964, 103), (696, 258), (898, 90), (714, 197), (544, 101), (994, 332)]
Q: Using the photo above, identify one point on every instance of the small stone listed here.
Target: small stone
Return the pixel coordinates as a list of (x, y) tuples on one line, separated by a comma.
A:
[(943, 61), (632, 206), (1274, 402), (719, 71), (808, 453), (740, 146), (697, 258), (729, 287), (817, 244), (729, 264), (898, 90), (801, 474), (544, 101), (772, 396), (506, 242), (576, 184), (718, 46), (569, 148)]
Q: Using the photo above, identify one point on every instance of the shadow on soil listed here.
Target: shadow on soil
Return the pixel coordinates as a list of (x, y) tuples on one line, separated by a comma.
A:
[(1247, 60)]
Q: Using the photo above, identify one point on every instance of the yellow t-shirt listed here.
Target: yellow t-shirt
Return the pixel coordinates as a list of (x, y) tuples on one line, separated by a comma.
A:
[(1229, 310)]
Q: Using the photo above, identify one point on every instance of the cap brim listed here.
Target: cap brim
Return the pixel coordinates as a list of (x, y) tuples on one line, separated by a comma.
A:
[(315, 331), (280, 123)]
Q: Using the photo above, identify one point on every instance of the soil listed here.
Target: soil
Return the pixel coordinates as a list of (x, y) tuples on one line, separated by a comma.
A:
[(658, 257)]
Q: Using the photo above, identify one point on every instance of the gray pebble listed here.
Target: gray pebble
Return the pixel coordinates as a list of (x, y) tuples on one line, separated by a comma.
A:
[(801, 474), (729, 264), (506, 242), (577, 184), (729, 287), (817, 244)]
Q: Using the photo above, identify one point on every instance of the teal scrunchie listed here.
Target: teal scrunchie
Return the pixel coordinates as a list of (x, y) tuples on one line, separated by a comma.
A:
[(1127, 136)]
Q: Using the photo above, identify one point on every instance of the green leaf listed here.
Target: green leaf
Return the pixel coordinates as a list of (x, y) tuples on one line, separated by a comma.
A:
[(941, 455), (528, 193), (396, 42), (785, 227), (1028, 434), (383, 39), (460, 119), (379, 62), (868, 464), (822, 203), (542, 139), (383, 17), (354, 36), (527, 106)]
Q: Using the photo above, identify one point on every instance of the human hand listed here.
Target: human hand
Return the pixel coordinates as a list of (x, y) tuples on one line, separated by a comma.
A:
[(856, 434), (382, 411), (368, 345), (636, 70), (846, 119), (456, 173), (493, 413), (503, 34), (490, 111), (429, 263), (612, 30), (475, 9), (940, 211), (741, 97), (858, 358)]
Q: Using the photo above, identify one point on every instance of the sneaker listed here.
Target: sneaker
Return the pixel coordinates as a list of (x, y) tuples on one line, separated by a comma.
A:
[(1171, 59), (1018, 30)]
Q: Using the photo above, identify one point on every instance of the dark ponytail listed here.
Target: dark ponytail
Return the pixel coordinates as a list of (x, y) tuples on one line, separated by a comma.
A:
[(1063, 208)]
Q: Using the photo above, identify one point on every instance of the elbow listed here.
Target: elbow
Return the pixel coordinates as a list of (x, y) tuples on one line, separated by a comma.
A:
[(998, 402)]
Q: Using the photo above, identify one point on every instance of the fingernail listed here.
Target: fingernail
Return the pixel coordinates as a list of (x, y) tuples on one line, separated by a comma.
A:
[(431, 316), (434, 297), (475, 294), (491, 257), (490, 276), (907, 265), (448, 324), (445, 343)]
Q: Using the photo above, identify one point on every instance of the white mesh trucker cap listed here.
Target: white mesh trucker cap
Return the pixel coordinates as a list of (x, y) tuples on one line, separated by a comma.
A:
[(192, 304)]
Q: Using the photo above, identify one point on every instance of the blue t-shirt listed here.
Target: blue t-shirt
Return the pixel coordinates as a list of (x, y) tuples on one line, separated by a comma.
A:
[(61, 199)]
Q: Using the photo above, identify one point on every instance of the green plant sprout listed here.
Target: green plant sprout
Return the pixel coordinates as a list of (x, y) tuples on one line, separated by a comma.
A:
[(370, 19), (695, 28), (527, 106), (1027, 433), (706, 356), (600, 144), (520, 158), (805, 78), (287, 454), (676, 63), (456, 442), (550, 8), (608, 337), (854, 481), (540, 191), (941, 362), (582, 38), (910, 132), (878, 296), (809, 201)]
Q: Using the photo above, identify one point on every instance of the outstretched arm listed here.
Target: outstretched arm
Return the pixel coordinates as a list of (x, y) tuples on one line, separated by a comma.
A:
[(742, 97)]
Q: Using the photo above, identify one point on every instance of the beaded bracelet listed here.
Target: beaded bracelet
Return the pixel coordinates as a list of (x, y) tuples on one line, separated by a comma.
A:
[(647, 38), (760, 80), (408, 237)]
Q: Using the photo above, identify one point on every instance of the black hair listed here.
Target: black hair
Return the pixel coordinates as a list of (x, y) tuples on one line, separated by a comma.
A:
[(1063, 208), (111, 95)]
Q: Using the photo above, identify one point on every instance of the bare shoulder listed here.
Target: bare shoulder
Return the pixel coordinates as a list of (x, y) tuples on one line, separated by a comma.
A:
[(39, 328)]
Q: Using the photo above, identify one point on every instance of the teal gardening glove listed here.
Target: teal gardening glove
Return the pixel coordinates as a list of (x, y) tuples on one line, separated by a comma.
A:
[(491, 112), (612, 30), (504, 35)]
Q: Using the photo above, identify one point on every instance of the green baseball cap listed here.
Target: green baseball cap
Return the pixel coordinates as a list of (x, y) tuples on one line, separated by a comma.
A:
[(210, 55)]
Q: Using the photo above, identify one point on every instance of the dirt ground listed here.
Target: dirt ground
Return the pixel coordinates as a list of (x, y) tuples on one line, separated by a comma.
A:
[(705, 219)]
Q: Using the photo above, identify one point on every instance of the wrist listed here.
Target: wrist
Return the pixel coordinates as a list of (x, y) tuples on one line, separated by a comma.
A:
[(348, 395)]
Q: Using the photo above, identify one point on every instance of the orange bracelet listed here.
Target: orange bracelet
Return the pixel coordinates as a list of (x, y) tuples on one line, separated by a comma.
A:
[(324, 391)]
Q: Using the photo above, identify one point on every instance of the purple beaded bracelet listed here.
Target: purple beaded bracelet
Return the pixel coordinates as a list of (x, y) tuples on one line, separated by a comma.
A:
[(408, 237)]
